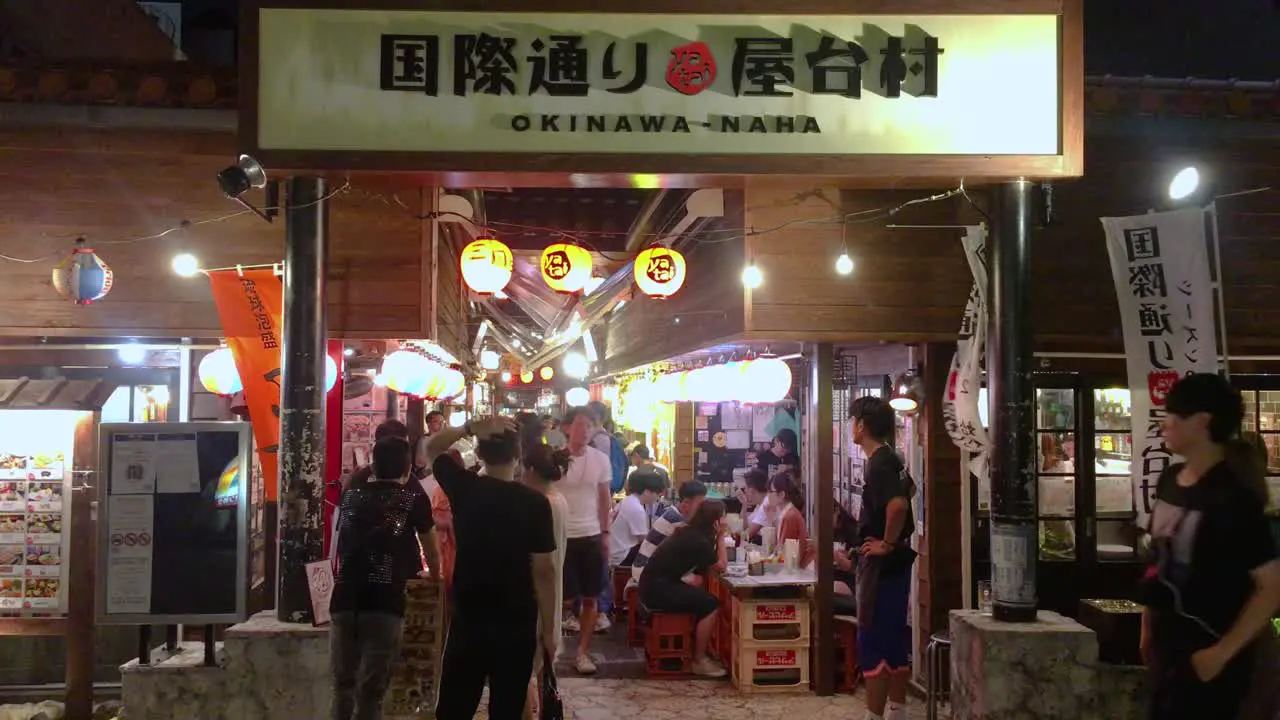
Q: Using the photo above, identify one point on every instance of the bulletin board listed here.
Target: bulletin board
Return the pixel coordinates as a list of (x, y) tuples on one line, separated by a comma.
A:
[(729, 436), (173, 523)]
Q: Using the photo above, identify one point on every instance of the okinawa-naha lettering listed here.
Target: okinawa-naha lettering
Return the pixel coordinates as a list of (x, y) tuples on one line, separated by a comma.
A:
[(562, 65)]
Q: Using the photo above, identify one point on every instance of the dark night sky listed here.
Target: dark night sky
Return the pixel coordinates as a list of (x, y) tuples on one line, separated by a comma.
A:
[(1212, 39), (1181, 38)]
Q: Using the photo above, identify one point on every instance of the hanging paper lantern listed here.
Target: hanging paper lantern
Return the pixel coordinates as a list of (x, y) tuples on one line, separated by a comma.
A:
[(577, 397), (659, 271), (405, 372), (566, 268), (526, 376), (766, 380), (218, 374), (546, 373), (486, 265), (82, 277)]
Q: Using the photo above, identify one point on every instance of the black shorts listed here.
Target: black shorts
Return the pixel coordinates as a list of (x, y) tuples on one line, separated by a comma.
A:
[(584, 564), (677, 597)]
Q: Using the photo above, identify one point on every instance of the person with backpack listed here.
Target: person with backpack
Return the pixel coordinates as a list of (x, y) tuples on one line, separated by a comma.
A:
[(883, 577), (604, 440), (1214, 584)]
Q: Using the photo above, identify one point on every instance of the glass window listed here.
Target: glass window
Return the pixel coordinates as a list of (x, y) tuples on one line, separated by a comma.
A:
[(1250, 422), (1055, 409), (1269, 411), (1057, 540), (1111, 410)]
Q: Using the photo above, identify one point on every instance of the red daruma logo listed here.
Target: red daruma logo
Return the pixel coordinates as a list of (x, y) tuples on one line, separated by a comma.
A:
[(1159, 383), (691, 69)]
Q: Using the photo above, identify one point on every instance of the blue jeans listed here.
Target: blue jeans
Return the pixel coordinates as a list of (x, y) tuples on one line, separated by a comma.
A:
[(362, 648)]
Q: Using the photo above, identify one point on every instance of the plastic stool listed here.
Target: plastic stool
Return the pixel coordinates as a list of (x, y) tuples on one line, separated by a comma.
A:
[(847, 644), (635, 626), (938, 680), (668, 644), (621, 576)]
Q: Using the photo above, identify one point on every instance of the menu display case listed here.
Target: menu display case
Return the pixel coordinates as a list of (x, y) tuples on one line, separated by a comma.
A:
[(37, 448)]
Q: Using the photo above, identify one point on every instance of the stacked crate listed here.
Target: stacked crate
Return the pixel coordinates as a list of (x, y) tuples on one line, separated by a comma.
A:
[(769, 645), (412, 693)]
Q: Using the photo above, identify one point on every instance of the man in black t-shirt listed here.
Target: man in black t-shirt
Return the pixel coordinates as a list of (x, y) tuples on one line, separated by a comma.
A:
[(367, 606), (884, 568), (409, 548), (504, 578)]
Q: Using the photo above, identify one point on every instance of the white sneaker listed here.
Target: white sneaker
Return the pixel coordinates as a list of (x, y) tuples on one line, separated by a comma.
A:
[(602, 623), (570, 624), (706, 667), (584, 665)]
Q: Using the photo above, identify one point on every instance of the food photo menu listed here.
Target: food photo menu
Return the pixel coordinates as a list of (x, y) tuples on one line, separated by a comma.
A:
[(32, 495)]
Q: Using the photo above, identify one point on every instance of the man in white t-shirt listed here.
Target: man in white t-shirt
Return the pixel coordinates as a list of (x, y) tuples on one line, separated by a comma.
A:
[(755, 492), (631, 522), (586, 489)]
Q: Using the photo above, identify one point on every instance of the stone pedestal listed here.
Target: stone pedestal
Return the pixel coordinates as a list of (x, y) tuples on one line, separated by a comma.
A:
[(265, 669), (1046, 670)]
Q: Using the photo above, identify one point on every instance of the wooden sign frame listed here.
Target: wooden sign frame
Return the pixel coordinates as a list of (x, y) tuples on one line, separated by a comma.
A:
[(588, 169)]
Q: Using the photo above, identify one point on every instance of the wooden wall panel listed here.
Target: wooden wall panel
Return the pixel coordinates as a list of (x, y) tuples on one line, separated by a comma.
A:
[(1074, 300), (907, 284), (48, 198), (709, 306), (452, 309)]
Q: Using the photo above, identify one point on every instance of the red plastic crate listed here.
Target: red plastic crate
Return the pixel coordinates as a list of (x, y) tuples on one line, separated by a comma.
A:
[(668, 644)]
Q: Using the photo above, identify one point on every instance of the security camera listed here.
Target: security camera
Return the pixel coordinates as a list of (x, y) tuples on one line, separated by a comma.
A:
[(237, 179)]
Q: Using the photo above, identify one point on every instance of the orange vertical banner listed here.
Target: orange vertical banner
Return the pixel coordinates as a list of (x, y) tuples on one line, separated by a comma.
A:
[(250, 304)]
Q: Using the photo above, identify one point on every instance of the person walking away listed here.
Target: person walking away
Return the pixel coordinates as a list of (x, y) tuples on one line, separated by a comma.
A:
[(544, 465), (696, 548), (367, 606), (884, 566), (1214, 585), (586, 488), (503, 595)]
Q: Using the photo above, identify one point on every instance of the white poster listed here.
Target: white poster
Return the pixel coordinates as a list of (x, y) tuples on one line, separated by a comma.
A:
[(133, 464), (131, 531), (320, 585), (1160, 263), (177, 463), (960, 411)]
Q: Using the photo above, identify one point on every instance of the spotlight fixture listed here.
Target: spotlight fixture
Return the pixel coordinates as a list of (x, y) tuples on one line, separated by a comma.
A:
[(185, 265), (908, 392), (236, 180), (1184, 183)]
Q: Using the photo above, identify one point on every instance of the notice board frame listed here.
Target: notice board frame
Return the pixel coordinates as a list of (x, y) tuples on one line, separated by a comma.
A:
[(106, 433)]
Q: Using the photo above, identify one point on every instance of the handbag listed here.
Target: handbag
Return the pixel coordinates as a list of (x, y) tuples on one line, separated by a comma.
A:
[(551, 706)]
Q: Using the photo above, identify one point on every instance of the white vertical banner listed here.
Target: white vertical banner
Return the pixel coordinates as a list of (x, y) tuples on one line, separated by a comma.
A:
[(960, 403), (1160, 263)]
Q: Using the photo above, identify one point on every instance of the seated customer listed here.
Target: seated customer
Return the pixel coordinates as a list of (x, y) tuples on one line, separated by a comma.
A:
[(695, 548), (755, 494), (691, 495), (786, 494), (631, 519)]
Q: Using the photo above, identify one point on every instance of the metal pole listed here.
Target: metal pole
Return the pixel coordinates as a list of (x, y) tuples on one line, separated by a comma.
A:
[(821, 357), (302, 401), (1220, 287), (1013, 477)]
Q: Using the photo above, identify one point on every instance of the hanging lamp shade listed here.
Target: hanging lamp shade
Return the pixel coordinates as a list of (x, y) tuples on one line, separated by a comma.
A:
[(526, 376), (218, 374), (81, 276), (546, 373), (330, 373), (766, 379), (566, 268), (659, 271), (486, 265), (908, 391)]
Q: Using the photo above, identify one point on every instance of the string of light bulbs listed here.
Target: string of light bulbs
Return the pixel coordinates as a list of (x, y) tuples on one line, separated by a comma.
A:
[(752, 276)]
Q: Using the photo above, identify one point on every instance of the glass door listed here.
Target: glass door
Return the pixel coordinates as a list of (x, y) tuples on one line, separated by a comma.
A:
[(1056, 472), (1117, 537)]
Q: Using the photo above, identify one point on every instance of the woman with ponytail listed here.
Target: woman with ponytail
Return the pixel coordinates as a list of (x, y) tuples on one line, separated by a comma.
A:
[(1214, 585), (786, 494), (542, 467)]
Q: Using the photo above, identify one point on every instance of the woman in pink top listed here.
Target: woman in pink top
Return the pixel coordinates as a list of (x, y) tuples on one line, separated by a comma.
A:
[(786, 494)]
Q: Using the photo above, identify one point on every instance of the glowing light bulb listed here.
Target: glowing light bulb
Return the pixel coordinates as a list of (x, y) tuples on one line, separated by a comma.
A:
[(186, 265), (752, 277), (1184, 183), (844, 265)]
